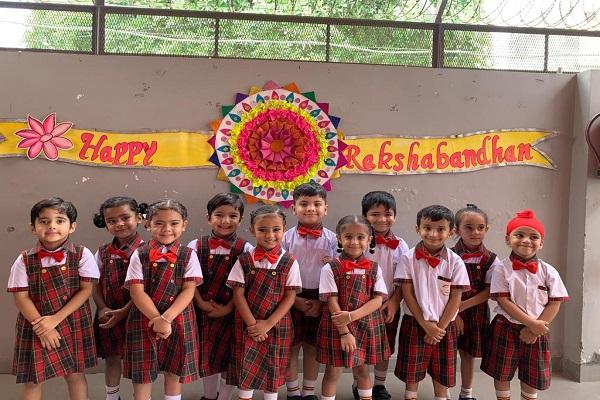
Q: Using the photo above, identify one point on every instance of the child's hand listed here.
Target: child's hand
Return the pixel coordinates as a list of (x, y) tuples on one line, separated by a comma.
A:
[(460, 325), (432, 330), (259, 329), (327, 260), (206, 306), (300, 304), (102, 317), (50, 340), (44, 324), (160, 327), (431, 340), (341, 318), (527, 336), (314, 308), (539, 327), (113, 317), (348, 342), (219, 310), (164, 334), (260, 338), (389, 310)]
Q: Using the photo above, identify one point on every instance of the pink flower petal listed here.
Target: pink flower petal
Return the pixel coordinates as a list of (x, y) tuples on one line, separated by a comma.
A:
[(27, 143), (27, 133), (34, 150), (36, 125), (61, 129), (50, 151), (62, 143), (49, 122)]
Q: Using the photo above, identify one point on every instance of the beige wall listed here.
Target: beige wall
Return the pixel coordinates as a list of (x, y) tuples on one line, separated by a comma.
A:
[(145, 93)]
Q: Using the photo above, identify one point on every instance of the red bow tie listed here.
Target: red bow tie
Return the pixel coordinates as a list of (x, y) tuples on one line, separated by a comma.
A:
[(117, 252), (431, 260), (349, 265), (466, 256), (303, 231), (56, 255), (530, 266), (218, 242), (156, 254), (392, 243), (272, 256)]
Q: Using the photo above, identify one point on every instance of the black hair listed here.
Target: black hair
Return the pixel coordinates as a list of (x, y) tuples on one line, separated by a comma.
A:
[(470, 208), (225, 199), (356, 219), (309, 189), (167, 204), (118, 201), (376, 198), (436, 213), (265, 210), (55, 203)]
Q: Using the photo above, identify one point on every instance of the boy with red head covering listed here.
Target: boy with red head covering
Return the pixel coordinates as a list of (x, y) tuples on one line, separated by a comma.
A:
[(529, 292)]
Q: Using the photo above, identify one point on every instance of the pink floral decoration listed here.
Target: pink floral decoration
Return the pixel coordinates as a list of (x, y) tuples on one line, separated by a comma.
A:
[(44, 136)]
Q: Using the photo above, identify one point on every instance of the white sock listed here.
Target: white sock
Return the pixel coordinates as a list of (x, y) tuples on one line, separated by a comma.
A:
[(112, 392), (464, 392), (528, 396), (308, 387), (173, 397), (328, 397), (211, 386), (225, 390), (293, 388), (380, 377), (503, 394), (441, 398), (270, 395), (365, 394), (410, 395), (245, 394)]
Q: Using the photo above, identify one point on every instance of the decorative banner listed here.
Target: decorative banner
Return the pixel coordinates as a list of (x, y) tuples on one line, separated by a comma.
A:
[(273, 140)]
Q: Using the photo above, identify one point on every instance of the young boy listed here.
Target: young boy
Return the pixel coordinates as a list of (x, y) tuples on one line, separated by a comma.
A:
[(51, 283), (529, 292), (432, 278), (379, 208), (312, 245)]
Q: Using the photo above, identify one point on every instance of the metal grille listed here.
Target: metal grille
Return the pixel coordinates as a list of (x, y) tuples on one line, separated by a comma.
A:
[(272, 40), (380, 45), (573, 53), (494, 50), (46, 30), (157, 34)]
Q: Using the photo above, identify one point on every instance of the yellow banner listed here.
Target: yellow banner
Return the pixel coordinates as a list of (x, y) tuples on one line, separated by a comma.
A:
[(365, 154)]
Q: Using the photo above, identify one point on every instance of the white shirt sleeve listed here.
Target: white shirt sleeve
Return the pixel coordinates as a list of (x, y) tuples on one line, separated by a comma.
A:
[(403, 269), (134, 271), (293, 277), (88, 267), (460, 278), (192, 269), (327, 285), (557, 289), (499, 283), (193, 244), (380, 286), (248, 248), (237, 274), (18, 275), (496, 264)]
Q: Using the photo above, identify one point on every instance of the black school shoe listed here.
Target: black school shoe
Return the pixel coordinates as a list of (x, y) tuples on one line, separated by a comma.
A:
[(294, 397), (381, 393), (355, 392), (466, 398), (310, 397)]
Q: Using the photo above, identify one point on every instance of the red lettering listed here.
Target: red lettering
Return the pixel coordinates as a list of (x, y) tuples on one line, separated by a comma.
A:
[(509, 154), (135, 148), (352, 152), (368, 164), (470, 157), (120, 150), (441, 156), (86, 138), (384, 157), (105, 154), (427, 161), (398, 157), (524, 151), (482, 152), (413, 159), (150, 150), (456, 160), (496, 150)]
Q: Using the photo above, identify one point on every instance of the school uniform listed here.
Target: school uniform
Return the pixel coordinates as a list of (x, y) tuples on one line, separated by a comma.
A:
[(433, 278), (354, 284), (387, 254), (530, 291), (162, 270), (52, 279), (480, 264), (262, 365), (113, 262), (309, 246), (216, 257)]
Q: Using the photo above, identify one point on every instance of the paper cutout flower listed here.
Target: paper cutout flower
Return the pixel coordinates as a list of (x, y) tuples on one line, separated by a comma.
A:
[(275, 139), (44, 136)]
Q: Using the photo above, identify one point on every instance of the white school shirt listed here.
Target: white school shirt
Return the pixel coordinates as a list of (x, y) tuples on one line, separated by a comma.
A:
[(530, 292), (19, 281), (388, 260), (310, 251), (220, 250), (328, 287), (135, 271), (293, 281), (488, 275), (432, 286)]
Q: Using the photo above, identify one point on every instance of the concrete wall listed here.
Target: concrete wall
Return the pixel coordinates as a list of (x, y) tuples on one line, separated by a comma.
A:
[(145, 93)]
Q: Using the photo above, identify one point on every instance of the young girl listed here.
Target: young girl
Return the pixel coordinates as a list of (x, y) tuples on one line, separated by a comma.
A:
[(352, 330), (264, 284), (161, 327), (52, 283), (120, 216), (217, 253), (473, 318)]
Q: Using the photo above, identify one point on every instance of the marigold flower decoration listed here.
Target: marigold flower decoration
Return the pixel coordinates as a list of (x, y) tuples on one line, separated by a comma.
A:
[(275, 138), (44, 137)]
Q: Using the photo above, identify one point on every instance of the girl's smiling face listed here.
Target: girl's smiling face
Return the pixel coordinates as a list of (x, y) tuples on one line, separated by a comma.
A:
[(472, 229), (166, 226), (122, 222), (224, 220), (268, 230), (355, 239)]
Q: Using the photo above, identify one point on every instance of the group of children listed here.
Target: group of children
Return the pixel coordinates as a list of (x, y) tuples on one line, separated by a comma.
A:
[(237, 315)]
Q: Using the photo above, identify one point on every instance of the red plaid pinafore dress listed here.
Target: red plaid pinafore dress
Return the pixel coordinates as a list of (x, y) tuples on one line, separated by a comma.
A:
[(111, 342), (371, 342), (145, 355), (216, 334), (50, 289), (262, 365), (476, 319)]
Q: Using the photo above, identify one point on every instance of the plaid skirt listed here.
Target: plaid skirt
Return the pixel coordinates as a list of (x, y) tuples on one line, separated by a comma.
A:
[(476, 321)]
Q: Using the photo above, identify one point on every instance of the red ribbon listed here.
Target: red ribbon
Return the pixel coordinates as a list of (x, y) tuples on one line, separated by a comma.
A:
[(218, 242), (392, 242), (530, 266), (466, 256), (349, 265), (303, 231), (117, 252), (56, 255), (431, 260), (272, 255), (156, 254)]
